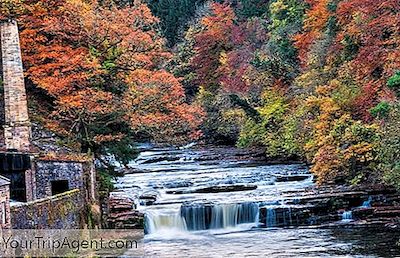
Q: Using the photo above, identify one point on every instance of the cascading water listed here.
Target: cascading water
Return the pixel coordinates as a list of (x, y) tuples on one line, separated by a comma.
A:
[(216, 216), (278, 216), (172, 218), (156, 221), (203, 216), (347, 215), (367, 203), (271, 218)]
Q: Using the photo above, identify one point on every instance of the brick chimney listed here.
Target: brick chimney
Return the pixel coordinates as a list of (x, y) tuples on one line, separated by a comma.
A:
[(17, 128)]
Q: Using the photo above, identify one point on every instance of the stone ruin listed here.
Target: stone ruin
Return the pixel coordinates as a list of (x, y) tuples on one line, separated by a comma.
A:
[(24, 177), (17, 125), (15, 159)]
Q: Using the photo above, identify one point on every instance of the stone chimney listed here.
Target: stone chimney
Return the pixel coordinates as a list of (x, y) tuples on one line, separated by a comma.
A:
[(17, 128)]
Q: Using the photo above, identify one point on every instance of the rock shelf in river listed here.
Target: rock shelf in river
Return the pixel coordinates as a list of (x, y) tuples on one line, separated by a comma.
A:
[(122, 214), (215, 189)]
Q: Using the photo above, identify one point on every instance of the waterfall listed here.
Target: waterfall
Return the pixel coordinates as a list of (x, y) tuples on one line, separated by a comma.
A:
[(215, 216), (202, 216), (158, 221), (367, 203), (271, 217), (347, 215), (279, 216)]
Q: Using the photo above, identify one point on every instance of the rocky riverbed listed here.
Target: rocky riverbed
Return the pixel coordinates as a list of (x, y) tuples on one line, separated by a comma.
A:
[(193, 196)]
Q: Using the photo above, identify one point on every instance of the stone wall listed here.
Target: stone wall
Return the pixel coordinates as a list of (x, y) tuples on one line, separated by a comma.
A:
[(48, 171), (5, 200), (62, 211), (17, 125)]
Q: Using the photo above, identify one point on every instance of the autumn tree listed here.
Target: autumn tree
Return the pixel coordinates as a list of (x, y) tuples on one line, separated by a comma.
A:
[(11, 9), (88, 57), (372, 27)]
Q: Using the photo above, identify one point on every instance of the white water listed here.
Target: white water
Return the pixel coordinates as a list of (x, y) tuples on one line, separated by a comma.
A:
[(347, 215), (157, 221), (224, 224)]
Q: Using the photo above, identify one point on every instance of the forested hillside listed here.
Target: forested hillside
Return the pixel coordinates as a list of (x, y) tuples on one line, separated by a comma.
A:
[(312, 80)]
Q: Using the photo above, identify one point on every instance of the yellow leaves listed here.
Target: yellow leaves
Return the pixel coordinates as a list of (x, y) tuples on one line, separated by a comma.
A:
[(362, 152), (309, 79), (327, 164), (223, 58), (278, 6), (341, 145), (9, 9), (99, 139), (79, 6), (274, 106), (75, 157)]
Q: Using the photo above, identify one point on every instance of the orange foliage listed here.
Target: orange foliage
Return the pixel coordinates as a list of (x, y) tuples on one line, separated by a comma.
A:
[(87, 57), (314, 23), (156, 101), (210, 44), (375, 26)]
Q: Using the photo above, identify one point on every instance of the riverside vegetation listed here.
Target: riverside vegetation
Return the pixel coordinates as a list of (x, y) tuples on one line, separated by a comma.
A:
[(311, 80)]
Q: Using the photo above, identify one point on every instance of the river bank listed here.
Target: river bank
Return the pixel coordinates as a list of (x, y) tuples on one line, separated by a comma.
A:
[(203, 200)]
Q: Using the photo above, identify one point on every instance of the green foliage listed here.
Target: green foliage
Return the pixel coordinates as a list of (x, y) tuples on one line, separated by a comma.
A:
[(394, 83), (389, 154), (280, 55), (123, 151), (174, 14), (180, 64), (276, 131), (105, 179), (252, 8), (351, 47), (252, 134), (381, 110), (224, 120)]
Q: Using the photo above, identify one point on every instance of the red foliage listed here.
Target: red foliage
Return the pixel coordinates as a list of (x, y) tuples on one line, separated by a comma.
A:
[(224, 49), (314, 24), (86, 56), (375, 25)]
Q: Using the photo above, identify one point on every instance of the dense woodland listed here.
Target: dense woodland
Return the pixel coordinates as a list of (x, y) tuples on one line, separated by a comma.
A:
[(312, 80)]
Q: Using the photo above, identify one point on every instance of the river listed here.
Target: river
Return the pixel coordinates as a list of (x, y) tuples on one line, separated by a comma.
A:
[(208, 202)]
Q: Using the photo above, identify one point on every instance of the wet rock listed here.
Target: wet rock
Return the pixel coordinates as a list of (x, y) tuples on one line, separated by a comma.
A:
[(148, 198), (285, 216), (122, 215), (363, 213), (387, 212), (120, 203), (128, 171), (215, 189), (126, 220), (177, 184), (160, 159), (291, 178)]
